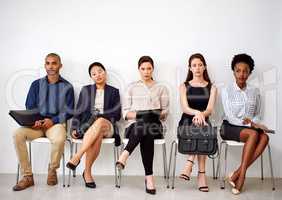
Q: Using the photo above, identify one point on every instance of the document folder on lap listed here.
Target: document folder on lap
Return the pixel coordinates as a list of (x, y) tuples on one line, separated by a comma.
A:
[(26, 117)]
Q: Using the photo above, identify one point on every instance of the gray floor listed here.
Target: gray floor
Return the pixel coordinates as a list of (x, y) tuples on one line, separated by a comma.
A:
[(133, 188)]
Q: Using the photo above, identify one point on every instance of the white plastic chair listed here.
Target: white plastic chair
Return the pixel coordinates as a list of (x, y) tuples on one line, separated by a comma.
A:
[(231, 143), (104, 141), (161, 142), (174, 149), (44, 140)]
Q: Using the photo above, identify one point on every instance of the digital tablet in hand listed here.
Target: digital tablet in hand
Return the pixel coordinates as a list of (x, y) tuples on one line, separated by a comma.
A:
[(269, 131)]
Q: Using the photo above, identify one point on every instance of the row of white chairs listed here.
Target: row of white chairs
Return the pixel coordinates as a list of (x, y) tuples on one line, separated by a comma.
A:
[(73, 143)]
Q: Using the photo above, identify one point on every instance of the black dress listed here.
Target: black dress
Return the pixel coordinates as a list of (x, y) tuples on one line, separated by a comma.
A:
[(198, 99)]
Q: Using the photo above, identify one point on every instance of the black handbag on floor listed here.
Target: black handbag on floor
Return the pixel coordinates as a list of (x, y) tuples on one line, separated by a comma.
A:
[(197, 140)]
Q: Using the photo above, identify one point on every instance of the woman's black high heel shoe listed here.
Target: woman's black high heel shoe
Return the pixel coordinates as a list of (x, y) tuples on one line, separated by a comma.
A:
[(185, 176), (120, 165), (203, 188), (72, 166), (88, 184), (149, 191)]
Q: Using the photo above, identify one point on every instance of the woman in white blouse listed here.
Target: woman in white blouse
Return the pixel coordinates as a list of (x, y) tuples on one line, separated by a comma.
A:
[(241, 103), (144, 107)]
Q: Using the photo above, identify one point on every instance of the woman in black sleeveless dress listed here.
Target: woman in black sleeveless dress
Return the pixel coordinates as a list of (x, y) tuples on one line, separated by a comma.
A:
[(197, 97)]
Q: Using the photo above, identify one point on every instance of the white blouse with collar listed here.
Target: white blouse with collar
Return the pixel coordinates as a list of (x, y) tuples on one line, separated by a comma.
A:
[(241, 103)]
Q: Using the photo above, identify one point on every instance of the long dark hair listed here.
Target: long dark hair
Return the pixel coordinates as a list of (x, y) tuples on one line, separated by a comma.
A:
[(145, 59), (190, 74)]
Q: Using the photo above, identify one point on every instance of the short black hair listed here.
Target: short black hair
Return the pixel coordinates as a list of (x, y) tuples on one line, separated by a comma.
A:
[(54, 55), (245, 58), (95, 64)]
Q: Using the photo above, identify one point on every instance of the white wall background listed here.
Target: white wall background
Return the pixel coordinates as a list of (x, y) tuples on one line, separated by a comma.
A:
[(117, 33)]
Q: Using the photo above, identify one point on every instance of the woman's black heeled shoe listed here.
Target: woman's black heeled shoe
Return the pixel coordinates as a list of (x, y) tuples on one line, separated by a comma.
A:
[(203, 188), (185, 176), (72, 166), (88, 184), (149, 191), (120, 165)]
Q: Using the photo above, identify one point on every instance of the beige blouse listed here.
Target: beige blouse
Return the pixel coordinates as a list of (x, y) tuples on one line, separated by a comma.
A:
[(139, 96)]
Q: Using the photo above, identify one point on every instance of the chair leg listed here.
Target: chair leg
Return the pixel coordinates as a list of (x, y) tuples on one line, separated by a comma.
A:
[(164, 160), (71, 150), (225, 163), (213, 169), (174, 165), (29, 151), (261, 166), (271, 167), (115, 160), (165, 156), (74, 171), (120, 171), (218, 167), (169, 164), (64, 174), (118, 175), (225, 167), (18, 172)]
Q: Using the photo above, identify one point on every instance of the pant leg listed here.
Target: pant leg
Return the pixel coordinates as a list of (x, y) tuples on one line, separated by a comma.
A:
[(57, 136), (147, 153), (21, 135), (153, 131), (134, 133)]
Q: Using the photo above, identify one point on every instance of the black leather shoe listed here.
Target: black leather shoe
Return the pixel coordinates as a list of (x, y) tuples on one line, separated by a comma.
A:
[(149, 191), (72, 166), (88, 184)]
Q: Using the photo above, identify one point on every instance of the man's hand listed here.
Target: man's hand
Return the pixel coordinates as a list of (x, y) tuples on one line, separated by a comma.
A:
[(47, 123), (38, 124)]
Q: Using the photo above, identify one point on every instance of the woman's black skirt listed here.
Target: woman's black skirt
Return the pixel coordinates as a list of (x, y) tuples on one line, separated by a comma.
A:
[(232, 132)]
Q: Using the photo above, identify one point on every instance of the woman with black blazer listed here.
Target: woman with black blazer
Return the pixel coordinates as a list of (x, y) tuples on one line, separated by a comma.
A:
[(98, 108)]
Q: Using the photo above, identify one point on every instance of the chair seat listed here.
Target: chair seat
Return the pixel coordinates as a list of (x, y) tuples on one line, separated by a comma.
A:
[(46, 141), (104, 141), (41, 140), (233, 143), (78, 141), (239, 144), (156, 141), (159, 141), (108, 140)]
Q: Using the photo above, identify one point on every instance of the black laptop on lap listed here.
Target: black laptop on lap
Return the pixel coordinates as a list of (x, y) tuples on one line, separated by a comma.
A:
[(26, 117)]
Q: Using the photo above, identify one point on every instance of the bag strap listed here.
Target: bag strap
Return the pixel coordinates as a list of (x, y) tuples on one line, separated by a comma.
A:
[(214, 156)]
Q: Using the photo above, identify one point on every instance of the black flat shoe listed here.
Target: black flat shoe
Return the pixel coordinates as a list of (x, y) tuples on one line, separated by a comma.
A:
[(72, 166), (120, 165), (149, 191), (88, 184)]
